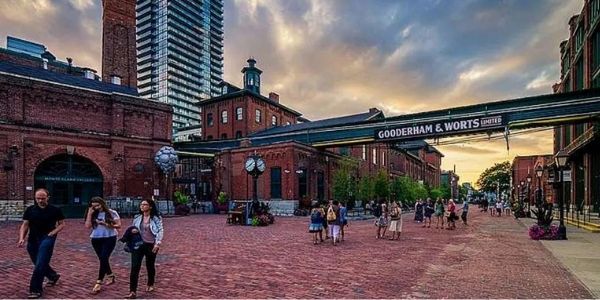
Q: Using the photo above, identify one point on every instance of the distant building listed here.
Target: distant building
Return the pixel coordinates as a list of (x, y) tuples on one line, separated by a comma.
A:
[(524, 189), (580, 69)]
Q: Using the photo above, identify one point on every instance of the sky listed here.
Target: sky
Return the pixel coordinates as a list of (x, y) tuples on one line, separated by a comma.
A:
[(328, 58)]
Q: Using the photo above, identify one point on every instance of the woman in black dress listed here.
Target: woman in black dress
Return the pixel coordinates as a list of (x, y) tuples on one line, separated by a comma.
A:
[(419, 211)]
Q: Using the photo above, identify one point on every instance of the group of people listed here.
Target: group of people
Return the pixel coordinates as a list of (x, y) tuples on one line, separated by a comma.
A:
[(425, 210), (332, 219), (496, 207), (42, 222)]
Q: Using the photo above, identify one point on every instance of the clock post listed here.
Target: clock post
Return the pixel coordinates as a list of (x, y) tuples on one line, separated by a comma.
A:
[(254, 166)]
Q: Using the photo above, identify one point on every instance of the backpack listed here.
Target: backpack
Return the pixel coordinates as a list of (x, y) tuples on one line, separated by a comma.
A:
[(331, 214), (377, 210)]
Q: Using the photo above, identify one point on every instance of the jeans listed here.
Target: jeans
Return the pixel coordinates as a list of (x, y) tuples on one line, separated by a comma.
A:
[(104, 248), (40, 251), (136, 264)]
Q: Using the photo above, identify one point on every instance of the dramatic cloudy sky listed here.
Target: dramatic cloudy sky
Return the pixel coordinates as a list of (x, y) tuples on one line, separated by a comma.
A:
[(329, 58)]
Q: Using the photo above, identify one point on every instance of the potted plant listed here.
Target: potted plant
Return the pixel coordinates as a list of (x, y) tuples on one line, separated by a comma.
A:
[(181, 200), (544, 229), (222, 200)]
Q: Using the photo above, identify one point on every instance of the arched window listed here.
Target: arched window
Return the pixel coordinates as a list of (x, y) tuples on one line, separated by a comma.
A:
[(239, 113), (224, 117)]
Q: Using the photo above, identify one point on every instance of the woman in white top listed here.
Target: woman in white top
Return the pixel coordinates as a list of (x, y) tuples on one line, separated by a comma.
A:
[(104, 223)]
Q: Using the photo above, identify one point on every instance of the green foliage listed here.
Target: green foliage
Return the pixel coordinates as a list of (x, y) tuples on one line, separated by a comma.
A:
[(222, 198), (408, 191), (436, 193), (366, 189), (181, 198), (495, 178), (446, 191), (255, 221), (344, 186), (381, 185)]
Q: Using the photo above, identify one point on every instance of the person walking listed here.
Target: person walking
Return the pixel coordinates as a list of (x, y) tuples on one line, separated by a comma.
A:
[(149, 224), (43, 222), (465, 211), (316, 223), (439, 213), (395, 221), (343, 218), (104, 223), (333, 220), (499, 207), (428, 211), (452, 215), (419, 211), (382, 219)]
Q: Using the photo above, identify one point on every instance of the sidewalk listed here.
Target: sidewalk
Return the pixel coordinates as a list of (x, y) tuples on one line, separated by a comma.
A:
[(580, 254)]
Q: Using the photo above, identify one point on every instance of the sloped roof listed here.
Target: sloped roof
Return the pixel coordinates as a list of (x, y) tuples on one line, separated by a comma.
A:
[(319, 123), (66, 79)]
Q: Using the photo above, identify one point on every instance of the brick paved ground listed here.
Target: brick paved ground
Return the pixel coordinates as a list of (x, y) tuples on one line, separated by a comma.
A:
[(203, 258)]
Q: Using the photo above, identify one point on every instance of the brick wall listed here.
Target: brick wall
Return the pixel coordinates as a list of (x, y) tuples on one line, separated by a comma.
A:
[(118, 41)]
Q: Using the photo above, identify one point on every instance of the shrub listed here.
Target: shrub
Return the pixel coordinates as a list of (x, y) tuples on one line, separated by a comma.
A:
[(222, 198)]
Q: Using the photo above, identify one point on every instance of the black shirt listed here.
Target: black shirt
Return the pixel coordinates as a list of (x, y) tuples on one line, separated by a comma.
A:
[(42, 220)]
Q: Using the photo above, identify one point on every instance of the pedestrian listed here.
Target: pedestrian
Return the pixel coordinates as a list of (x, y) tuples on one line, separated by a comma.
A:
[(333, 220), (104, 223), (149, 224), (465, 211), (439, 213), (499, 207), (325, 227), (316, 223), (492, 206), (395, 220), (382, 219), (451, 215), (343, 218), (507, 207), (43, 222), (419, 211), (429, 210)]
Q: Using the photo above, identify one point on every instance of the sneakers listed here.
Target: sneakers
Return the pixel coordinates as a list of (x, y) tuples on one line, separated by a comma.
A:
[(53, 281), (34, 295)]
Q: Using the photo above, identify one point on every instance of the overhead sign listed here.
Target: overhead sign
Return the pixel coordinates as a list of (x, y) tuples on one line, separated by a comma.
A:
[(445, 127)]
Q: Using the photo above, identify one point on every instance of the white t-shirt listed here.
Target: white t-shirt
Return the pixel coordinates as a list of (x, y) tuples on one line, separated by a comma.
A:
[(499, 204), (102, 231)]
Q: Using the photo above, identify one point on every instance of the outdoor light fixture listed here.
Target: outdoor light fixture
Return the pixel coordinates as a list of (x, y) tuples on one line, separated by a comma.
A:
[(528, 178), (539, 171), (561, 163)]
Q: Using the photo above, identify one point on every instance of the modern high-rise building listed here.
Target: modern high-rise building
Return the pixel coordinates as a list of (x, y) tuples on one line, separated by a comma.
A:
[(180, 54)]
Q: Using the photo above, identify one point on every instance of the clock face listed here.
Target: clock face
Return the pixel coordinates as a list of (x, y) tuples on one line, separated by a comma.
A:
[(260, 164), (250, 164)]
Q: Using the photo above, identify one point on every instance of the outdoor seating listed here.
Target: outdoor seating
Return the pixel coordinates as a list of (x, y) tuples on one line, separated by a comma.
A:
[(237, 211)]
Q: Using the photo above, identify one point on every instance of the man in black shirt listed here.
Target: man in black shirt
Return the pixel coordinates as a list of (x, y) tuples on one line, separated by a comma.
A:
[(43, 222)]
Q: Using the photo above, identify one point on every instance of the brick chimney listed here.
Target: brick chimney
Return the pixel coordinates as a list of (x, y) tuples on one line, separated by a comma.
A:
[(118, 41), (274, 97)]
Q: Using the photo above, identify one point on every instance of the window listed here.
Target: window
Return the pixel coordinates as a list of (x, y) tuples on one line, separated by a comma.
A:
[(579, 129), (302, 183), (273, 120), (364, 152), (238, 134), (224, 117), (579, 77), (344, 151), (374, 151), (383, 158), (320, 186), (209, 120), (224, 136), (239, 113), (276, 183), (287, 123), (258, 117)]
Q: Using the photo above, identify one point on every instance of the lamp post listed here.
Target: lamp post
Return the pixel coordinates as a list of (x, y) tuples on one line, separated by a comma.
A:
[(255, 166), (539, 171), (522, 199), (561, 163), (528, 178)]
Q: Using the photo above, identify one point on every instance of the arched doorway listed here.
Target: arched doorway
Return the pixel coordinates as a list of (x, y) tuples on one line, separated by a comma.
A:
[(71, 180)]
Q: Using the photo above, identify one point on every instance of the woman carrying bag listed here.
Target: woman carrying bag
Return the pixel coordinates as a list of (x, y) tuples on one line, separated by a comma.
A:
[(149, 223)]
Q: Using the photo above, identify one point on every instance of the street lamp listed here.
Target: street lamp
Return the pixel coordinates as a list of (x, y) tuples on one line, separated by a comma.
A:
[(528, 178), (561, 163), (539, 171)]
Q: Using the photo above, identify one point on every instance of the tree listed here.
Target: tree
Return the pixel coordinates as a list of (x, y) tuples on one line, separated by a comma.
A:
[(436, 193), (446, 191), (366, 189), (496, 178), (381, 185), (344, 186)]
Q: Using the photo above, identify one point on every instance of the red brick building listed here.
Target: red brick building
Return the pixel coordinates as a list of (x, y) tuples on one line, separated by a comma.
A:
[(76, 136), (580, 57), (524, 167), (295, 171)]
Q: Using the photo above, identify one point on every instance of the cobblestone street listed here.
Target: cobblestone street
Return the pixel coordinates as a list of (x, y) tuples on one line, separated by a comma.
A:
[(204, 258)]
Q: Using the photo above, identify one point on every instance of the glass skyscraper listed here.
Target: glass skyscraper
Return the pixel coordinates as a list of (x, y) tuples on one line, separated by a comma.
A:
[(180, 54)]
